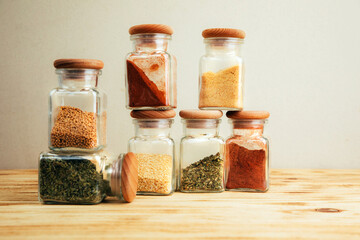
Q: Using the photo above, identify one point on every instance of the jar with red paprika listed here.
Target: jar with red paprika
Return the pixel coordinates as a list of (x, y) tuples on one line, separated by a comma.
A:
[(151, 69), (247, 152)]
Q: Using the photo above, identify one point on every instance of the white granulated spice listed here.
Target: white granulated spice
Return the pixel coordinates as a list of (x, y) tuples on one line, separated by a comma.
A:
[(154, 173)]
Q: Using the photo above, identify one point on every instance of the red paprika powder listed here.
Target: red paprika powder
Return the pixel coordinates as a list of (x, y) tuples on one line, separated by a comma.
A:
[(142, 91), (247, 167), (247, 152)]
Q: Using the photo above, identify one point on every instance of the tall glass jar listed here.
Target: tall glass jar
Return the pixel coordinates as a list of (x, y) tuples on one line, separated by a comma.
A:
[(154, 150), (86, 178), (201, 152), (222, 70), (151, 69), (247, 152), (77, 109)]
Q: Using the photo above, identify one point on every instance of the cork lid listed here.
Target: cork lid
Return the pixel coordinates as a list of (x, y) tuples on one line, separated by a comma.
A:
[(223, 32), (148, 114), (200, 114), (129, 177), (151, 28), (248, 114), (79, 63)]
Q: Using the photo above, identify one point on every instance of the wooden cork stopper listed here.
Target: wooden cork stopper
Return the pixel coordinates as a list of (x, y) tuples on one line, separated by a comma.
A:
[(248, 114), (129, 177), (201, 114), (79, 63), (223, 32), (139, 114), (151, 28)]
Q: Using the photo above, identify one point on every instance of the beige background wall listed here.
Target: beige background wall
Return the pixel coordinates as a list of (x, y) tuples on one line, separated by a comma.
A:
[(302, 65)]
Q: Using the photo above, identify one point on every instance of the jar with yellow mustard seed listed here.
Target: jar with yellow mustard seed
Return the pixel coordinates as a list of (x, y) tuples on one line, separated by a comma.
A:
[(154, 151), (222, 70)]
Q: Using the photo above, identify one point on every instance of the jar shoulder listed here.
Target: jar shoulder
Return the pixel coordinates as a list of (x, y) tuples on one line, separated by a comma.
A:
[(157, 54), (202, 139), (242, 139), (94, 92), (151, 139)]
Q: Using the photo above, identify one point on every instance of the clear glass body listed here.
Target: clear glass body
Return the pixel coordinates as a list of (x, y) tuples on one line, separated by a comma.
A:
[(150, 73), (247, 157), (201, 157), (155, 152), (77, 112), (79, 178), (221, 75)]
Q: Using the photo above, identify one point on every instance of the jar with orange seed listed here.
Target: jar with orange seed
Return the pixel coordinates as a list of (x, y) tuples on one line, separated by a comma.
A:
[(222, 70), (77, 107)]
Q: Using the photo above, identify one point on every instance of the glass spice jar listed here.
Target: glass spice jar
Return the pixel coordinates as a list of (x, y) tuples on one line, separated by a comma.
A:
[(151, 69), (201, 152), (77, 109), (86, 178), (247, 152), (154, 150), (222, 70)]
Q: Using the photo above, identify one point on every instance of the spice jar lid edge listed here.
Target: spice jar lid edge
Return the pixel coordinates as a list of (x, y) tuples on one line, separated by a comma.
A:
[(129, 177)]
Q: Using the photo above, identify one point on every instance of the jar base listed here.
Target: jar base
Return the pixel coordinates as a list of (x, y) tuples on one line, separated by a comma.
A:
[(154, 194), (51, 202), (202, 191), (247, 190), (76, 150)]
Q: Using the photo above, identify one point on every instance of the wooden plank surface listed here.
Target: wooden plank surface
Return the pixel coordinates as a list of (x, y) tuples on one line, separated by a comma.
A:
[(301, 204)]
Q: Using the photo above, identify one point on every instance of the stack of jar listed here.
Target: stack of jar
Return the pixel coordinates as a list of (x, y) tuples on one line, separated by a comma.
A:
[(77, 170), (207, 163), (151, 95)]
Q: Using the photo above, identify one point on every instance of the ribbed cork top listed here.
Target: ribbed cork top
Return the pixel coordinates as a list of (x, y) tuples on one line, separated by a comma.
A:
[(151, 28), (223, 32), (129, 177), (248, 114), (78, 63), (200, 114), (147, 114)]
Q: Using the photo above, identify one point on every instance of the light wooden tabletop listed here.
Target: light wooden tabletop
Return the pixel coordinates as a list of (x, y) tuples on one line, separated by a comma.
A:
[(301, 204)]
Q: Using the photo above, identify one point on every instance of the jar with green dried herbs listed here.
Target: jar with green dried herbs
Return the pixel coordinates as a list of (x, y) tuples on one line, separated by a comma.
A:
[(77, 108), (86, 178), (201, 152)]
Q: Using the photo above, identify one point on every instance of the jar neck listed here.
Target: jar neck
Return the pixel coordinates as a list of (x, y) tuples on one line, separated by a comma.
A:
[(149, 43), (78, 78), (248, 127), (113, 175), (153, 127), (223, 46), (201, 127)]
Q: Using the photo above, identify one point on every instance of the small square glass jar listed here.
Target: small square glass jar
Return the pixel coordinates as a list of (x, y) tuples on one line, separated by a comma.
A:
[(155, 151), (222, 70), (201, 152), (86, 178), (247, 152), (150, 69), (77, 108)]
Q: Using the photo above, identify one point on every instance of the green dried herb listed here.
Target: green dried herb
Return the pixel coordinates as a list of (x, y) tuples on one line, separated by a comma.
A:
[(70, 180), (204, 175)]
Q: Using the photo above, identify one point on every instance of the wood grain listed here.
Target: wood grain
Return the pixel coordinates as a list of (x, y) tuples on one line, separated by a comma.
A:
[(301, 204)]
